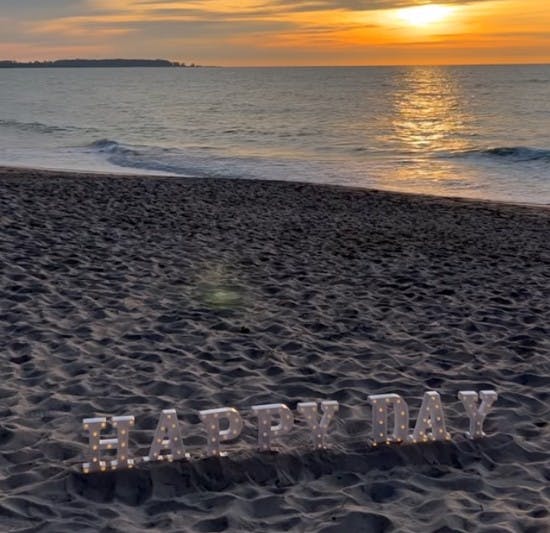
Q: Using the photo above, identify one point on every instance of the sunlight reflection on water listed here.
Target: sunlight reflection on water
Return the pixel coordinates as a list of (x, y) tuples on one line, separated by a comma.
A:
[(429, 117)]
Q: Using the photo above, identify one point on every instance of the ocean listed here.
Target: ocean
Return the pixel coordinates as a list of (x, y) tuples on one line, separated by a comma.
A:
[(466, 131)]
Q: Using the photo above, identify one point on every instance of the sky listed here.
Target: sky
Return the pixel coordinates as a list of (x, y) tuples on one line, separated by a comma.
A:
[(279, 32)]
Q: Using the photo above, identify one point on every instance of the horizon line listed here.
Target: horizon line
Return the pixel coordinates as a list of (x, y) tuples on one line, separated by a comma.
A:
[(362, 65)]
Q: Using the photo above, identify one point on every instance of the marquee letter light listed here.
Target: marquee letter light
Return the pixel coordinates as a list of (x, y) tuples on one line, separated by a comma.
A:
[(265, 431), (167, 437), (96, 444), (380, 404), (477, 414), (430, 417), (319, 429), (211, 419)]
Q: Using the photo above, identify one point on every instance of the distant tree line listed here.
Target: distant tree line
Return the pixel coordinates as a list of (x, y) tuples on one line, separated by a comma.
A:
[(111, 63)]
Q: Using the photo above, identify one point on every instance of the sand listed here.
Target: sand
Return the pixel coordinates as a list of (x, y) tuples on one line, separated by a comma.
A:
[(128, 295)]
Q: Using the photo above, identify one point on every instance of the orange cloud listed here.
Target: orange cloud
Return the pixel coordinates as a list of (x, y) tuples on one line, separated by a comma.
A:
[(276, 32)]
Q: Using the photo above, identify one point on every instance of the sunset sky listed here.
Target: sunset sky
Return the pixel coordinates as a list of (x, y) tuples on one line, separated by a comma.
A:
[(279, 32)]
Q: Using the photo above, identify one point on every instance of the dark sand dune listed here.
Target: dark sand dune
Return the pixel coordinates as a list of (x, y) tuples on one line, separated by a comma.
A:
[(130, 295)]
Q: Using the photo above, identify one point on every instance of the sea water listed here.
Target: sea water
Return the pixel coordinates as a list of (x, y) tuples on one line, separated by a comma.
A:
[(470, 131)]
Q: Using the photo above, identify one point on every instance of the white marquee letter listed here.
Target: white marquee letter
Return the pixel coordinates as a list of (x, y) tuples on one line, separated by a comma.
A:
[(167, 437), (380, 404), (430, 417), (477, 414), (265, 430), (319, 429), (96, 444), (211, 419)]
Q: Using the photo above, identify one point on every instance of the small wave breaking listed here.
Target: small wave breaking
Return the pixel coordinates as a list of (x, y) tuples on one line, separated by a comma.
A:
[(107, 146), (201, 161), (159, 159), (516, 154)]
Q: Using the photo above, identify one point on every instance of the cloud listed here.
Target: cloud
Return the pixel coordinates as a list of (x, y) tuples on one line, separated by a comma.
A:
[(304, 5), (272, 31), (30, 10)]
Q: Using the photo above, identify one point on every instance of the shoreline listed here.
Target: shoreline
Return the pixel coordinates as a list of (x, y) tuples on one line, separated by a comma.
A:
[(129, 295), (15, 172)]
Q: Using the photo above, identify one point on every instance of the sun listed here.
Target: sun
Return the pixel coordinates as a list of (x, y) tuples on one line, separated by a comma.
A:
[(424, 15)]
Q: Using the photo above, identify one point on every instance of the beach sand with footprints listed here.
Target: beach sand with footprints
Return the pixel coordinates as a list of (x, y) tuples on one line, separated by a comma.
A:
[(130, 295)]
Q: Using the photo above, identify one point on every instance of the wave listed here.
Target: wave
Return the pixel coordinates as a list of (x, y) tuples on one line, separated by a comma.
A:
[(203, 161), (517, 154), (108, 146), (198, 162), (36, 127)]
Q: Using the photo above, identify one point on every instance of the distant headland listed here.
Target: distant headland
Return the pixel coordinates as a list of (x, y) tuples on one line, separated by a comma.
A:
[(104, 63)]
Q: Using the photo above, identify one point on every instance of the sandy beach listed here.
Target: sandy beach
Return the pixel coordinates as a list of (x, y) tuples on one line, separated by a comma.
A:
[(129, 295)]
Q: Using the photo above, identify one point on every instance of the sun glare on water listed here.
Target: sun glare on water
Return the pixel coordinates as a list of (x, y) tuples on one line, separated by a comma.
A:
[(425, 15)]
